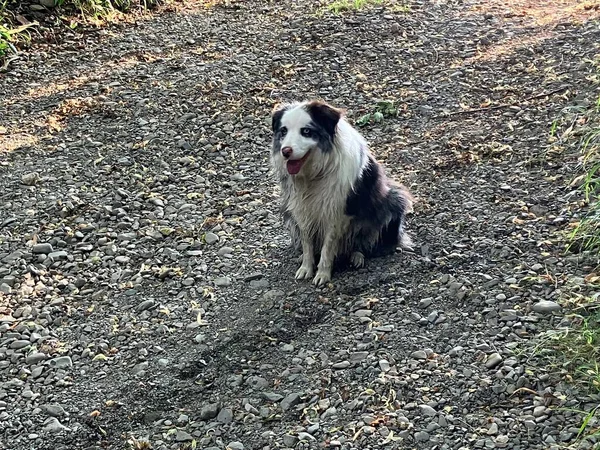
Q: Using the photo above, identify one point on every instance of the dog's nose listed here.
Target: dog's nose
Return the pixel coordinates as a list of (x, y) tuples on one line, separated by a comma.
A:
[(286, 152)]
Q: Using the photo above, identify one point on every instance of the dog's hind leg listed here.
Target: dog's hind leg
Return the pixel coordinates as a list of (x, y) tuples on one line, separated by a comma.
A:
[(306, 270)]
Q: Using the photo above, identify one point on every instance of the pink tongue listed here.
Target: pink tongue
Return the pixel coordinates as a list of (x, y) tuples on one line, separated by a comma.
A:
[(293, 167)]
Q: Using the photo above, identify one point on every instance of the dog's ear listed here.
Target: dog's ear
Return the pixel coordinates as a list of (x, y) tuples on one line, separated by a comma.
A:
[(325, 115), (276, 115)]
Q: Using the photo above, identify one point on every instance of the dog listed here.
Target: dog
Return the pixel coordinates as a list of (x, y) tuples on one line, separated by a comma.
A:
[(336, 199)]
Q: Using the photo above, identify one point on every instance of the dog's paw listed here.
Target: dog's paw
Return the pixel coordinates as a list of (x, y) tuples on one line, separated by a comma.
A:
[(304, 273), (321, 278), (357, 259)]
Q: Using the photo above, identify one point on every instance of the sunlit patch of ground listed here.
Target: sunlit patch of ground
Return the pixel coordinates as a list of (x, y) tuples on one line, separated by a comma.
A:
[(538, 19)]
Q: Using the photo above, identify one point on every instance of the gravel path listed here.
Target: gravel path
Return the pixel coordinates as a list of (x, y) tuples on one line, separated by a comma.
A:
[(147, 291)]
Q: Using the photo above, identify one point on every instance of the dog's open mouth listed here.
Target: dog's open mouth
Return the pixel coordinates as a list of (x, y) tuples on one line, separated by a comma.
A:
[(294, 166)]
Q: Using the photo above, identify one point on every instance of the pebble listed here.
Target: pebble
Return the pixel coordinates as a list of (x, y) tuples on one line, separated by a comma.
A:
[(290, 401), (211, 238), (419, 354), (209, 411), (546, 306), (35, 358), (183, 436), (427, 410), (43, 248), (225, 415), (62, 362), (493, 360), (222, 281), (53, 410), (341, 365), (235, 446)]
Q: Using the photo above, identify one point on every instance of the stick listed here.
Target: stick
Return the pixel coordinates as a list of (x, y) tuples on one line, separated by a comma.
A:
[(504, 105)]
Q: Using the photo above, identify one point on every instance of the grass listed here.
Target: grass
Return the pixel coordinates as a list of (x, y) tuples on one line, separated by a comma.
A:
[(341, 6), (586, 233), (15, 28), (574, 351)]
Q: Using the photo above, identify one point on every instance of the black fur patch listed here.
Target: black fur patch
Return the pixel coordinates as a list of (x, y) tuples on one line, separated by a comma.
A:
[(276, 125), (374, 212), (324, 123)]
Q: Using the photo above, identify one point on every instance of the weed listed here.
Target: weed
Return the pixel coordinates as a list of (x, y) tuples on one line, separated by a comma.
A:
[(339, 6), (383, 109)]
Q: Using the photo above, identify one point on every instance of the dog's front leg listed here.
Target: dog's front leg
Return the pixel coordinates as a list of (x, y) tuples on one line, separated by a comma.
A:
[(306, 270), (328, 254)]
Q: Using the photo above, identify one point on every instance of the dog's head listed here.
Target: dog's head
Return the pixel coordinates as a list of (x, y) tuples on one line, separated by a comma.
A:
[(302, 134)]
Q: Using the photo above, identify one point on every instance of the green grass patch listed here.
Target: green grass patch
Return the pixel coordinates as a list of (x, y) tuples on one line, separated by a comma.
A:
[(586, 233), (343, 6), (383, 109)]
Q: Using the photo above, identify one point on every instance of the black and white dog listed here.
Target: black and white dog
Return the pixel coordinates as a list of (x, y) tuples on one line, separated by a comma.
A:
[(336, 198)]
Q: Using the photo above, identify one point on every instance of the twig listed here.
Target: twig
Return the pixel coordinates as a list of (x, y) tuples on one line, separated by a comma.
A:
[(504, 105)]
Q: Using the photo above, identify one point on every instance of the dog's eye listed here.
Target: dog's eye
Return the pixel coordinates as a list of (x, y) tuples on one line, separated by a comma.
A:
[(283, 131), (306, 132)]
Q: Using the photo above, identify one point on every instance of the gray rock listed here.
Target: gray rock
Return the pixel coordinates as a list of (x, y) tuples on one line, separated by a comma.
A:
[(235, 445), (341, 365), (421, 436), (62, 362), (58, 256), (225, 415), (53, 410), (43, 248), (5, 288), (30, 179), (546, 307), (419, 354), (290, 440), (35, 358), (493, 360), (209, 411), (52, 425), (140, 367), (146, 304), (272, 396), (19, 344), (290, 401), (427, 410), (222, 281), (183, 436), (211, 238)]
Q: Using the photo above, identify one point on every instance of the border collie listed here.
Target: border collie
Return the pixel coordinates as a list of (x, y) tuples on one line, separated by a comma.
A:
[(336, 199)]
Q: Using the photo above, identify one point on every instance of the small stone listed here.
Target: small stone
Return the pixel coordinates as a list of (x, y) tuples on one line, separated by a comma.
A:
[(341, 365), (146, 304), (30, 179), (422, 436), (493, 429), (62, 362), (43, 248), (5, 288), (419, 354), (209, 411), (493, 360), (546, 306), (222, 281), (211, 238), (272, 396), (53, 410), (183, 436), (427, 410), (139, 368), (225, 415), (35, 358), (58, 256), (19, 344), (235, 446), (384, 365), (290, 440), (290, 401), (54, 426), (539, 411)]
